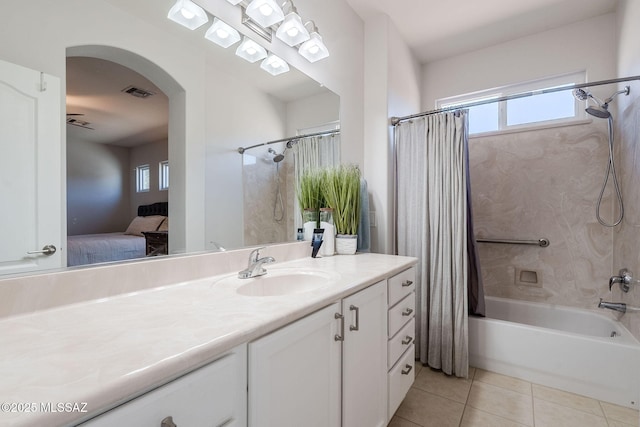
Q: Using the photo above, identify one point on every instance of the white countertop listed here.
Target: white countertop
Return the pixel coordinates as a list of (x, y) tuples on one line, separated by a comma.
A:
[(107, 351)]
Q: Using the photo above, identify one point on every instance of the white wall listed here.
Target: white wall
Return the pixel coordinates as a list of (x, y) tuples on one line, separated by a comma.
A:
[(98, 188), (391, 89), (587, 45), (312, 111)]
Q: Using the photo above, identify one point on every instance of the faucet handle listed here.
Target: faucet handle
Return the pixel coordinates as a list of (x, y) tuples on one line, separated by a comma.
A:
[(255, 254)]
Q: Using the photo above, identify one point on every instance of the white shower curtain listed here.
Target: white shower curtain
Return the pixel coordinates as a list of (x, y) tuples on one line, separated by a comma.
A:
[(432, 215), (312, 153)]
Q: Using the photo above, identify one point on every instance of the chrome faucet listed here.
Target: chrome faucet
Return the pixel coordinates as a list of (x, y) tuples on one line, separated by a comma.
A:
[(255, 267), (617, 306), (624, 279)]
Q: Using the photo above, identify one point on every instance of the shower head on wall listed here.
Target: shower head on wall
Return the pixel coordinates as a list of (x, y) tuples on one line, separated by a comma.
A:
[(601, 110), (277, 157)]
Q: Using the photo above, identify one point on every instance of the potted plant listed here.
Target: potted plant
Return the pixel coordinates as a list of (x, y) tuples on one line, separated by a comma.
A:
[(310, 200), (341, 190)]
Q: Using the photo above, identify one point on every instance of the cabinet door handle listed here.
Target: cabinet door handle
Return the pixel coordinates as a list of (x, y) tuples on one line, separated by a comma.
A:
[(407, 370), (407, 283), (340, 336), (407, 340), (168, 422), (407, 312), (47, 250), (355, 327)]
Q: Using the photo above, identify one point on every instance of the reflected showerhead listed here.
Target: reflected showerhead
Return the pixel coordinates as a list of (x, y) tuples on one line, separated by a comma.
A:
[(292, 142), (276, 157)]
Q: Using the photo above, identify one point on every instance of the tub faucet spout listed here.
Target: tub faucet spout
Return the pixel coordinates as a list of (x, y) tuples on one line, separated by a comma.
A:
[(617, 306)]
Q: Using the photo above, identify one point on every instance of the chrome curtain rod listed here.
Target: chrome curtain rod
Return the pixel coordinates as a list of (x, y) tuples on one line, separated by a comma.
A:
[(241, 150), (540, 242), (396, 120)]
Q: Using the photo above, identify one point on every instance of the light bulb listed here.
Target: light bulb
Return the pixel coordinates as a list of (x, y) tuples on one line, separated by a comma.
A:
[(187, 13), (251, 50), (222, 33), (293, 31), (314, 49), (266, 10)]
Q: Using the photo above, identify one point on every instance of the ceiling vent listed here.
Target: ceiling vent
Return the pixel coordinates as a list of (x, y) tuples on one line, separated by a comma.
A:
[(137, 92)]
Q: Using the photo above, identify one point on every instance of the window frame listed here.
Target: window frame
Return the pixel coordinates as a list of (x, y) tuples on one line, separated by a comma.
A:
[(163, 175), (525, 87), (139, 171)]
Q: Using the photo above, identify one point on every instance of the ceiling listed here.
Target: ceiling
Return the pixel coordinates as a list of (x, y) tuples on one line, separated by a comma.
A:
[(436, 29)]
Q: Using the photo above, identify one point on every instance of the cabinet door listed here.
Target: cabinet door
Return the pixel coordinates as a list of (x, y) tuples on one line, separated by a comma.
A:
[(364, 358), (214, 395), (294, 374)]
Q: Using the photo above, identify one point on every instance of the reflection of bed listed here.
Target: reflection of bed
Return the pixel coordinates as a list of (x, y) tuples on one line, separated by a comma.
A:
[(93, 248)]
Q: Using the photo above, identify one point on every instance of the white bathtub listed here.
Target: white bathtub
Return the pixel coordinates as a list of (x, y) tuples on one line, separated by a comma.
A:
[(561, 347)]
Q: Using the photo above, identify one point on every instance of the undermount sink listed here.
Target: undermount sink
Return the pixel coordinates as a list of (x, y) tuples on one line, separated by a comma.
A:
[(284, 282)]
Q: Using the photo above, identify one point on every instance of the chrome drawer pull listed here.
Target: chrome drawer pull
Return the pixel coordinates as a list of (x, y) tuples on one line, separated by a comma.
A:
[(168, 422), (339, 337), (355, 327), (407, 312), (407, 370), (407, 283), (407, 340)]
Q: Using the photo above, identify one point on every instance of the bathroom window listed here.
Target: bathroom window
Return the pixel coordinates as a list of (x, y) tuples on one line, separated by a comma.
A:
[(142, 178), (163, 175), (537, 110)]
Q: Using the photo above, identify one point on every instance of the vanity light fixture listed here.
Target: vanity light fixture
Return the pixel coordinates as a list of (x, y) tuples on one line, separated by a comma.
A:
[(274, 65), (265, 12), (292, 30), (313, 49), (222, 33), (250, 50), (188, 14)]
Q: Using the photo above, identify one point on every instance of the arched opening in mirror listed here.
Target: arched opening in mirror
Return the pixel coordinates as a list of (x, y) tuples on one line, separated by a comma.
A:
[(132, 127)]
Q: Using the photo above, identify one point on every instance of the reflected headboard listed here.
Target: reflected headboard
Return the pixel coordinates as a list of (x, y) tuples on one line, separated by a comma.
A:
[(160, 208)]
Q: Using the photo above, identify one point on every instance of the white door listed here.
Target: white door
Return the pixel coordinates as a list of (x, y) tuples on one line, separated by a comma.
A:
[(294, 374), (30, 170), (364, 358)]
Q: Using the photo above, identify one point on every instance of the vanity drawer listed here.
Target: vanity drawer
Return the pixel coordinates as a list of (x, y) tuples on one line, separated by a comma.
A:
[(401, 313), (401, 285), (400, 342), (401, 377)]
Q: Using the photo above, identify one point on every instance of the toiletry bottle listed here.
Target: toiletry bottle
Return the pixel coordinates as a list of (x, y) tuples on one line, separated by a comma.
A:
[(326, 221)]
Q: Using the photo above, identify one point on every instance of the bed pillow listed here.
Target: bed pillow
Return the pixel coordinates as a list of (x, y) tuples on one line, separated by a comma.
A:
[(164, 225), (144, 223)]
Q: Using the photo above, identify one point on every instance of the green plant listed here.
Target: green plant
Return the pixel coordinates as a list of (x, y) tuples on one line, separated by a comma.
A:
[(309, 191), (341, 189)]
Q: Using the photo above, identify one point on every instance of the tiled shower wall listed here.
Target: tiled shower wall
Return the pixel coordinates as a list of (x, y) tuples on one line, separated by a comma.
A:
[(626, 248), (260, 175), (543, 183)]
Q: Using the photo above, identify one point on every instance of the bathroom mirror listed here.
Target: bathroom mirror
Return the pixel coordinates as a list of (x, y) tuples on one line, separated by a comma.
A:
[(237, 103)]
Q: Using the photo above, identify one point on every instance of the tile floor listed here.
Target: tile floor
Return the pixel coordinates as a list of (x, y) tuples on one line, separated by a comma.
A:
[(488, 399)]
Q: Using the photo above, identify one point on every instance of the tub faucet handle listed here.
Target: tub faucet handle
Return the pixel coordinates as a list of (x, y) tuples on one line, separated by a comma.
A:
[(624, 278)]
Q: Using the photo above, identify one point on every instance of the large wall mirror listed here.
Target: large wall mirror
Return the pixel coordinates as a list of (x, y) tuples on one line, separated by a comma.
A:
[(188, 115)]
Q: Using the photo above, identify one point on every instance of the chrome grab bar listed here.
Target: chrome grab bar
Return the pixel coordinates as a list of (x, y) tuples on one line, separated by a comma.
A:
[(543, 242)]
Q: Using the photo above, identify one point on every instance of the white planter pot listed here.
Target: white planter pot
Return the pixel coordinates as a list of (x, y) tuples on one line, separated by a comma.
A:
[(346, 244)]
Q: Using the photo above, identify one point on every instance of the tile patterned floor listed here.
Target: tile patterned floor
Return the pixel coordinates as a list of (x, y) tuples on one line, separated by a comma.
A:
[(488, 399)]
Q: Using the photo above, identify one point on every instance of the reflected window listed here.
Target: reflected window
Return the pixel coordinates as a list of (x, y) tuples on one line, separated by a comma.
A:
[(163, 169), (142, 178)]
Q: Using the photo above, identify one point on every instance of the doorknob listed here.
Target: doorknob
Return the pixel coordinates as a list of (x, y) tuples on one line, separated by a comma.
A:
[(47, 250)]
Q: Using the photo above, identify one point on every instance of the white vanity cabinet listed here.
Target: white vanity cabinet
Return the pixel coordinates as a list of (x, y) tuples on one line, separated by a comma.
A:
[(214, 395), (327, 369), (400, 346)]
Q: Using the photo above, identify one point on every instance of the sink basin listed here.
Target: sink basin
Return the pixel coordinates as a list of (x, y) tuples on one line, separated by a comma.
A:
[(284, 282)]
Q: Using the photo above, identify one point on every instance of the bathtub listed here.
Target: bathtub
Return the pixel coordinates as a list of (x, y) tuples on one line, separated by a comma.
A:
[(570, 349)]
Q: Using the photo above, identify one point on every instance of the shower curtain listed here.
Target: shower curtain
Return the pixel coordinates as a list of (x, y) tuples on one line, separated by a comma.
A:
[(434, 225)]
